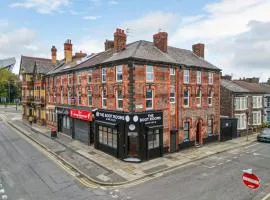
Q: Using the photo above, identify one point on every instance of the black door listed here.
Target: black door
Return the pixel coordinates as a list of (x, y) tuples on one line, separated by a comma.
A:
[(92, 133), (60, 121), (81, 130), (173, 142)]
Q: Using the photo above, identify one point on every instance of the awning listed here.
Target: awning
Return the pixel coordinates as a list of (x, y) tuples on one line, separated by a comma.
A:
[(112, 125)]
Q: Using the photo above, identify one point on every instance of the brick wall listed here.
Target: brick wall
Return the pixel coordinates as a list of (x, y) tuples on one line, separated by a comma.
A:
[(226, 107)]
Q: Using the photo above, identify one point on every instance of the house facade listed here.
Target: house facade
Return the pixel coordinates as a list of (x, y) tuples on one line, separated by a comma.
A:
[(135, 101)]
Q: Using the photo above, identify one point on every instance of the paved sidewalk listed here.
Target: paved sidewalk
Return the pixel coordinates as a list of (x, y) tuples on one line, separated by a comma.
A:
[(104, 168)]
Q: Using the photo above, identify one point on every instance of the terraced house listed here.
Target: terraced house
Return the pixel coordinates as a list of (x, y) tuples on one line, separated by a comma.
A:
[(136, 101)]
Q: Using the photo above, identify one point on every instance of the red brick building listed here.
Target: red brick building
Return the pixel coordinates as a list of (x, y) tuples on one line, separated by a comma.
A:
[(138, 100)]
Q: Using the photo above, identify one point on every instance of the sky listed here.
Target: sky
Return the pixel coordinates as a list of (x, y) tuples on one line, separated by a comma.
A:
[(236, 33)]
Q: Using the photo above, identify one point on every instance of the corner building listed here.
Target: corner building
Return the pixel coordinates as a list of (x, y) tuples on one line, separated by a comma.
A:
[(137, 101)]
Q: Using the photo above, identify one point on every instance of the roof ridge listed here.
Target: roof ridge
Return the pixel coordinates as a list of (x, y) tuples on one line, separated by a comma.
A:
[(47, 59)]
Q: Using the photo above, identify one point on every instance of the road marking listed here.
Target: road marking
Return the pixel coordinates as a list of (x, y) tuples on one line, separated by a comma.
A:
[(220, 164), (266, 197), (252, 145), (210, 167), (235, 157), (228, 160)]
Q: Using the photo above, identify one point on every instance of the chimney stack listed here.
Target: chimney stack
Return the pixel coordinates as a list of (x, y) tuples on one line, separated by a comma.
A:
[(68, 51), (80, 55), (54, 55), (109, 44), (198, 49), (161, 41), (120, 39)]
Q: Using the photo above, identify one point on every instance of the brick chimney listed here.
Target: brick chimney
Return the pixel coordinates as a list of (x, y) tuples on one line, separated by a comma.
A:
[(80, 55), (68, 51), (54, 54), (198, 49), (120, 39), (109, 44), (161, 41)]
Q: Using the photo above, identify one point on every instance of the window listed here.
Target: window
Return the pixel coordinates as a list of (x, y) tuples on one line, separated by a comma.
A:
[(61, 80), (186, 76), (186, 98), (210, 78), (199, 77), (89, 76), (69, 97), (149, 73), (54, 96), (257, 115), (119, 73), (199, 98), (210, 126), (62, 99), (79, 98), (104, 98), (186, 131), (69, 79), (103, 74), (172, 71), (107, 136), (210, 98), (153, 139), (268, 116), (79, 79), (54, 81), (172, 95), (90, 99), (119, 99), (257, 101), (49, 99), (240, 103), (68, 123), (242, 121), (149, 99)]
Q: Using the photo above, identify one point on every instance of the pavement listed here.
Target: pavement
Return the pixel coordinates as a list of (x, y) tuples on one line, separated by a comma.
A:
[(106, 170)]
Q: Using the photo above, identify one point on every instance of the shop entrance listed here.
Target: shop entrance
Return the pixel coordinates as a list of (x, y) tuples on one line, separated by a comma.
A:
[(133, 144)]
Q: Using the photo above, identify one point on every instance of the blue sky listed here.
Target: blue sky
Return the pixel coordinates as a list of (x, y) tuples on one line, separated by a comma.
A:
[(235, 31)]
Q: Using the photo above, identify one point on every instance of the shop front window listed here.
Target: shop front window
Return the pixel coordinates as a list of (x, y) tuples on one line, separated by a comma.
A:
[(153, 139), (107, 136)]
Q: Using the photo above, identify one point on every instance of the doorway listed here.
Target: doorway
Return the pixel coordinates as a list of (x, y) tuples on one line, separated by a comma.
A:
[(133, 145), (198, 132), (173, 141)]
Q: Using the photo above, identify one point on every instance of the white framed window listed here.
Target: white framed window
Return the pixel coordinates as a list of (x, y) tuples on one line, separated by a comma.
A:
[(240, 103), (119, 99), (89, 77), (79, 98), (104, 74), (90, 98), (210, 126), (149, 73), (69, 79), (186, 131), (242, 121), (199, 98), (210, 98), (49, 99), (119, 73), (54, 96), (210, 78), (61, 80), (149, 99), (172, 95), (79, 78), (186, 76), (199, 77), (69, 97), (172, 71), (256, 117), (257, 101), (186, 98), (62, 99), (104, 98)]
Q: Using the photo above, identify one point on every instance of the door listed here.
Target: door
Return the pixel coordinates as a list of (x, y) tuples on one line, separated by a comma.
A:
[(133, 145), (91, 133), (81, 131), (60, 121), (173, 142), (198, 133)]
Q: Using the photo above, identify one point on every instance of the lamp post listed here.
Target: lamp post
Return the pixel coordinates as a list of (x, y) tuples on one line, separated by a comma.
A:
[(247, 116)]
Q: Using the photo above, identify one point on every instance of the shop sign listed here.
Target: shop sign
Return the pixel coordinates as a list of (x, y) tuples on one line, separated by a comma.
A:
[(133, 134), (111, 117), (151, 119), (81, 114)]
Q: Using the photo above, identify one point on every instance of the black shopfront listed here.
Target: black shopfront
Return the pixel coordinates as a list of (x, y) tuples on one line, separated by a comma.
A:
[(129, 136), (63, 120)]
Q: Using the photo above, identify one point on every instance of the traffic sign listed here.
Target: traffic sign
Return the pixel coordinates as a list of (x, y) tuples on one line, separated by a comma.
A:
[(251, 180)]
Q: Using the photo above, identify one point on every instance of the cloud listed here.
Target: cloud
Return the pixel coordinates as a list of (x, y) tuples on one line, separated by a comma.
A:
[(3, 23), (113, 2), (89, 45), (91, 17), (42, 6)]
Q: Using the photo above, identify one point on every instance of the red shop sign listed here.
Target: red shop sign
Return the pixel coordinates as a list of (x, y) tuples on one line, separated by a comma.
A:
[(81, 114)]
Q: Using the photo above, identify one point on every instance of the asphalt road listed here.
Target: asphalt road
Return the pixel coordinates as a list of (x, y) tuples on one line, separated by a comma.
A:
[(217, 177), (27, 174)]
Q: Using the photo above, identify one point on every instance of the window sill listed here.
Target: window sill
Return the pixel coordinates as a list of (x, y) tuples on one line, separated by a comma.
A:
[(186, 107)]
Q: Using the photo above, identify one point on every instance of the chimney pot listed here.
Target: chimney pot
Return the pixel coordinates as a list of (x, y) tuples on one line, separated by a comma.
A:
[(68, 51), (120, 39), (54, 54), (161, 41)]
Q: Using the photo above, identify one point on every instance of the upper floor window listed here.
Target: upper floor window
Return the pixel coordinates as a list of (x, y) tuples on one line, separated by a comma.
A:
[(104, 75), (186, 76), (119, 99), (186, 98), (54, 81), (240, 103), (199, 97), (210, 77), (62, 99), (172, 71), (89, 78), (69, 79), (69, 97), (172, 95), (90, 98), (186, 131), (104, 98), (79, 79), (149, 73), (199, 77), (256, 118), (149, 99), (54, 96), (210, 98), (79, 98), (257, 101), (61, 80), (210, 126), (119, 73)]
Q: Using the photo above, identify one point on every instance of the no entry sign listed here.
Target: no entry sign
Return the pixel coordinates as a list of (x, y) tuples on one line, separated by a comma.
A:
[(251, 180)]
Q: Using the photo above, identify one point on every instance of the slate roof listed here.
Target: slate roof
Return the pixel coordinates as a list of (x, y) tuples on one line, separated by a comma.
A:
[(253, 87), (144, 50), (230, 85), (7, 63), (43, 64)]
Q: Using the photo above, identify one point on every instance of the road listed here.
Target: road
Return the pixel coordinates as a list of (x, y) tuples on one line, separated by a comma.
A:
[(26, 173)]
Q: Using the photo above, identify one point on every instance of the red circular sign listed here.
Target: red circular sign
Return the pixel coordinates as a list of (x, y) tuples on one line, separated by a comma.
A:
[(251, 181)]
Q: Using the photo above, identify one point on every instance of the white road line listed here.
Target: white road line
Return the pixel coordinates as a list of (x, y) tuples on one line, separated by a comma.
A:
[(228, 160), (220, 164), (266, 197), (252, 145), (235, 157)]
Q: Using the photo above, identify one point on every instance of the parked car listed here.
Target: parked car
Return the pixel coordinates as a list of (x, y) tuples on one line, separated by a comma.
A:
[(264, 136)]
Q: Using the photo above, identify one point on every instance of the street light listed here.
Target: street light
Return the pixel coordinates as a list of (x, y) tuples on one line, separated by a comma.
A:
[(247, 116)]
